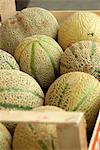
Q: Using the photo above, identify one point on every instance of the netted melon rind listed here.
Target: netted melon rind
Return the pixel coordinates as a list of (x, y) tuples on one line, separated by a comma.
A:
[(7, 61), (19, 91), (82, 56), (39, 56), (76, 91), (81, 25)]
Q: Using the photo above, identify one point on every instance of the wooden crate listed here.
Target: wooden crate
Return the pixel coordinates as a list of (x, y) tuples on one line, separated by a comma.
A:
[(71, 126)]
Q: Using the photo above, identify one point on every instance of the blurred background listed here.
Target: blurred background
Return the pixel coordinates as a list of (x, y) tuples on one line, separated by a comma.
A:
[(60, 4)]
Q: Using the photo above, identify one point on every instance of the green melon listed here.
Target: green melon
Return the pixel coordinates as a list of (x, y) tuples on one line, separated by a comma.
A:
[(76, 91), (81, 25), (29, 21), (30, 136), (5, 138), (7, 61), (39, 56), (82, 56)]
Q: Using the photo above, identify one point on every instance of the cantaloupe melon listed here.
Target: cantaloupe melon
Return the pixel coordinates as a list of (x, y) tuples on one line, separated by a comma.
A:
[(7, 61), (82, 25), (5, 138), (39, 56), (82, 56), (76, 91), (29, 21), (19, 91), (30, 136)]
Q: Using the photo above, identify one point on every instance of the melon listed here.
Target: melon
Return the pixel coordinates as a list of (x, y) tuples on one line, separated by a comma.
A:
[(39, 56), (19, 91), (30, 136), (7, 61), (82, 56), (82, 25), (76, 91), (5, 138), (29, 21)]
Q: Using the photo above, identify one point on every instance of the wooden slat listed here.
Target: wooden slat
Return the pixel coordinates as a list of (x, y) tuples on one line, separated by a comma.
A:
[(7, 9), (71, 126), (62, 15), (28, 116)]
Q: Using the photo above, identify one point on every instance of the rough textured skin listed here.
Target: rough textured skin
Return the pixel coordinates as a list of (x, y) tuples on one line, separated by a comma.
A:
[(76, 91), (82, 56), (7, 61), (29, 21), (19, 91), (5, 138), (39, 56), (79, 26), (48, 108), (31, 136)]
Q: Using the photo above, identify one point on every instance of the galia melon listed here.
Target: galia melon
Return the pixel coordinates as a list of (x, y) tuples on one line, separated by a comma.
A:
[(76, 91), (29, 21), (30, 136), (79, 26), (5, 138), (7, 61), (39, 56), (82, 56)]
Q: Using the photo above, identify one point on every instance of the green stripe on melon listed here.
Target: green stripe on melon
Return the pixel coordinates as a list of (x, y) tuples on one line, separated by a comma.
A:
[(32, 64), (13, 106), (76, 91), (7, 61), (34, 93), (5, 138), (36, 136), (39, 56)]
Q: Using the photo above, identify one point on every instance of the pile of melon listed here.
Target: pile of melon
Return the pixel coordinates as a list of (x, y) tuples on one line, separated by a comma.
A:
[(45, 66)]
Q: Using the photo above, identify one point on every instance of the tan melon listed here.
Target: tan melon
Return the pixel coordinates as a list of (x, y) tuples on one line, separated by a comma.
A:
[(29, 136), (19, 91), (5, 138), (82, 25), (82, 56), (39, 56), (76, 91), (7, 61), (29, 21)]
